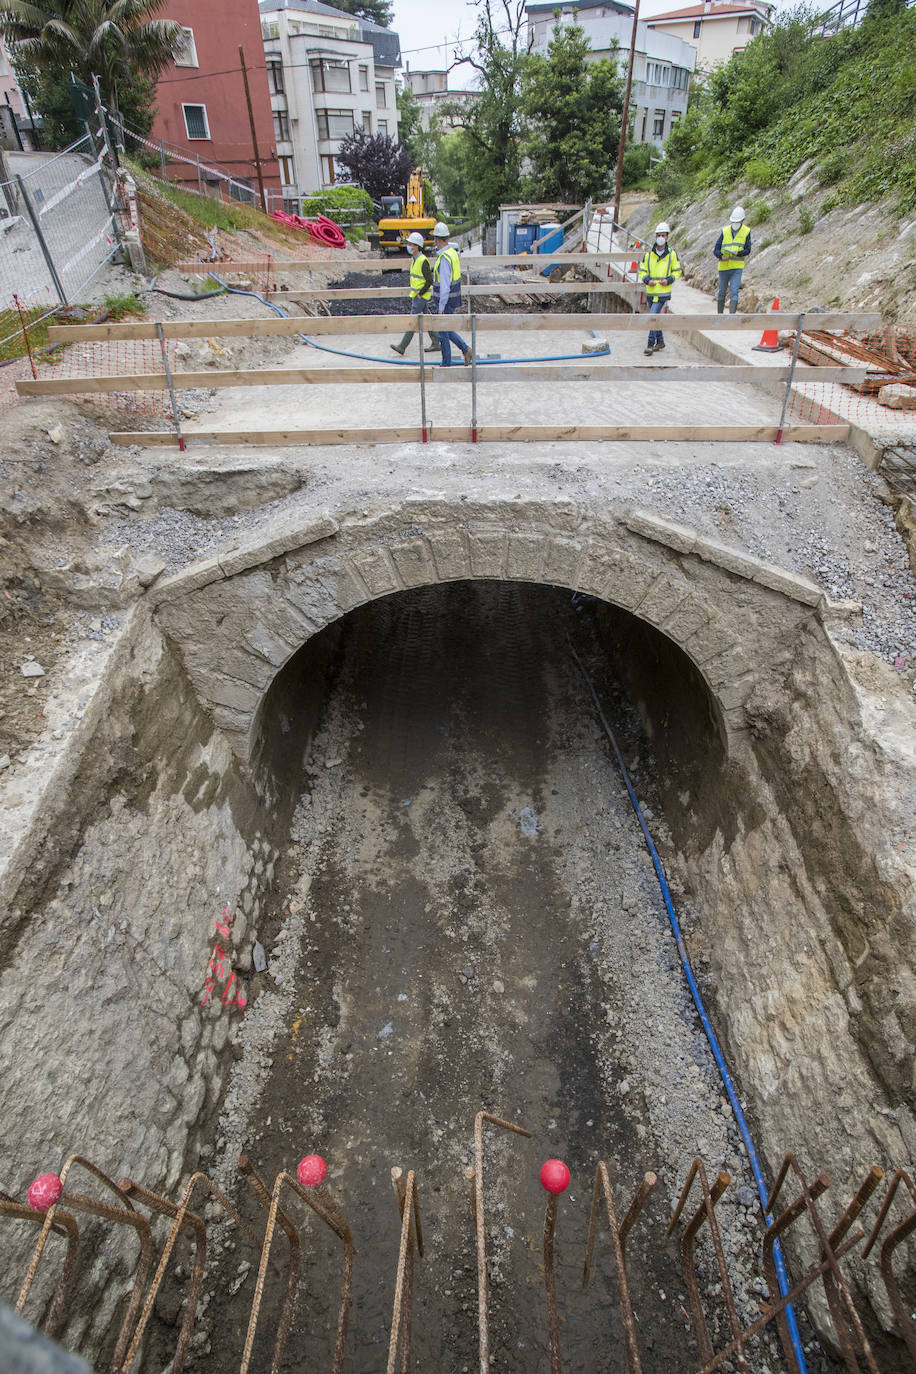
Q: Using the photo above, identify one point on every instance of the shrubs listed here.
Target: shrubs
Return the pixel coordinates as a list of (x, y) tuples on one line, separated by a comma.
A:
[(805, 220), (834, 167), (760, 172), (636, 165), (759, 213)]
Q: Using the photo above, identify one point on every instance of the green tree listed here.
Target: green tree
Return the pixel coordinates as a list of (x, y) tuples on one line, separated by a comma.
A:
[(572, 111), (410, 126), (116, 40), (52, 97), (449, 170), (379, 11), (492, 121)]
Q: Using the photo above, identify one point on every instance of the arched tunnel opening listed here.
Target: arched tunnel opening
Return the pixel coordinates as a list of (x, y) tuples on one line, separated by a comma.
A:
[(472, 921)]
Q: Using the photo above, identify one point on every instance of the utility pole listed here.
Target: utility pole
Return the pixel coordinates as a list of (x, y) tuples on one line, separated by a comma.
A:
[(254, 137), (623, 124)]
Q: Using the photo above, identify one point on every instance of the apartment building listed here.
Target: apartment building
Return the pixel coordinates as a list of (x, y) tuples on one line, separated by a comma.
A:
[(715, 30), (202, 112), (431, 91), (329, 73), (662, 66)]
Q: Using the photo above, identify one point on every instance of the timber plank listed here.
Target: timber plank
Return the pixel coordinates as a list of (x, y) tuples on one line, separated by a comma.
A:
[(385, 324), (397, 263), (503, 288), (498, 434), (399, 373)]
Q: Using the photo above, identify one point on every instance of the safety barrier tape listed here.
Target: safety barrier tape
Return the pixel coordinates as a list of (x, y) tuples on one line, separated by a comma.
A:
[(65, 191)]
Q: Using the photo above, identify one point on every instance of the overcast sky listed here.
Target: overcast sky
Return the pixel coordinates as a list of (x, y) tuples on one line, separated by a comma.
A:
[(433, 26)]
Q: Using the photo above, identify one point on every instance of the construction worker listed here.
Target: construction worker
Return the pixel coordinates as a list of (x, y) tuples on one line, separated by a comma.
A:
[(659, 269), (421, 290), (733, 248), (447, 281)]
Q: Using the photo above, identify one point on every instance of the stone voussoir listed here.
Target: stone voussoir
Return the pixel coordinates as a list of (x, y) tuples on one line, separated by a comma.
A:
[(450, 552), (180, 584), (681, 538), (414, 562), (789, 584), (278, 538), (487, 551)]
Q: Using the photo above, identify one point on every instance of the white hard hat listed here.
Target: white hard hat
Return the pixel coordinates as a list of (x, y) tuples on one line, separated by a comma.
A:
[(663, 228), (737, 215), (440, 231), (416, 239)]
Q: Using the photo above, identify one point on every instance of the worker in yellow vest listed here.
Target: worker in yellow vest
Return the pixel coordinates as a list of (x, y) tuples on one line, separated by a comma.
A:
[(421, 291), (447, 282), (733, 248), (659, 270)]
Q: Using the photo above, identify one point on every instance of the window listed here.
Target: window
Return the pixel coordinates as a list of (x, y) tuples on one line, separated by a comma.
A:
[(367, 121), (270, 28), (383, 126), (380, 101), (275, 77), (696, 29), (334, 124), (364, 78), (328, 171), (186, 54), (195, 121), (287, 176), (658, 73), (281, 126), (756, 26), (328, 75), (680, 78), (658, 124), (642, 136)]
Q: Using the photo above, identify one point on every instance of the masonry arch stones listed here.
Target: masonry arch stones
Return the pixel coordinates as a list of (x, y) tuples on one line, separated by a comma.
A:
[(237, 619)]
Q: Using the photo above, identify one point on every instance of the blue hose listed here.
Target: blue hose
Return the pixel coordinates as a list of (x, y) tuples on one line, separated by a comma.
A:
[(399, 362), (762, 1190)]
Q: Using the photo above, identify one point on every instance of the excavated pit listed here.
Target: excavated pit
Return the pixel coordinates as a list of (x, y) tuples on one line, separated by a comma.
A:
[(459, 912)]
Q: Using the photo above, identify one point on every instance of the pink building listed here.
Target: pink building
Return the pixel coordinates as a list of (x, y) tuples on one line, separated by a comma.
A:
[(202, 111)]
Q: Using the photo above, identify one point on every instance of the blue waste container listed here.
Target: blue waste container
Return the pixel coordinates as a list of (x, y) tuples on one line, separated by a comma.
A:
[(550, 238)]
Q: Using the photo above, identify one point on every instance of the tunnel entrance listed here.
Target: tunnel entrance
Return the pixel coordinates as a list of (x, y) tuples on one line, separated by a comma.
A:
[(473, 922)]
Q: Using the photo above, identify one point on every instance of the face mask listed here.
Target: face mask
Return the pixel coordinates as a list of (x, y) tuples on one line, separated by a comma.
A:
[(661, 243)]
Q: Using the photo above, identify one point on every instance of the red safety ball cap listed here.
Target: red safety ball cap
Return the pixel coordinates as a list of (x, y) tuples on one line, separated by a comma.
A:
[(311, 1171), (44, 1192), (554, 1176)]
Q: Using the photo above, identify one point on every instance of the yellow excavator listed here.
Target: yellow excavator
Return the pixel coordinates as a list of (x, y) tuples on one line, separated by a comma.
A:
[(400, 219)]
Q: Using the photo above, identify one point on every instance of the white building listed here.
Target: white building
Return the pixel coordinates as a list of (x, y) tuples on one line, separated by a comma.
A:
[(329, 73), (662, 67), (431, 91), (715, 30)]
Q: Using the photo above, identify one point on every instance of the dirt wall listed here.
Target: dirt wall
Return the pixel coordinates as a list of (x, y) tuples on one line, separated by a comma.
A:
[(113, 1043)]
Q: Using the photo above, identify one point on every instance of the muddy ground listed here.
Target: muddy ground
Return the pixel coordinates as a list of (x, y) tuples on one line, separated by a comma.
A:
[(470, 921)]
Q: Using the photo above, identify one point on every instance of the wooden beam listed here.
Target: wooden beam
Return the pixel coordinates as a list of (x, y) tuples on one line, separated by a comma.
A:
[(398, 373), (386, 324), (398, 263), (745, 434), (512, 288)]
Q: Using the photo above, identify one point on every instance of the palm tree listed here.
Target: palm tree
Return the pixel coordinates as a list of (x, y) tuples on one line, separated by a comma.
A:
[(115, 40)]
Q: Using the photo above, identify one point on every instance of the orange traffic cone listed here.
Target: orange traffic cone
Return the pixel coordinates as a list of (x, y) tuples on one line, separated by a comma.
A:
[(769, 339)]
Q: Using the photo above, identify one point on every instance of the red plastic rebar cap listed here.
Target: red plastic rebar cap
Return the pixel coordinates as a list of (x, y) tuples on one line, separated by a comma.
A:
[(311, 1171), (554, 1176), (44, 1192)]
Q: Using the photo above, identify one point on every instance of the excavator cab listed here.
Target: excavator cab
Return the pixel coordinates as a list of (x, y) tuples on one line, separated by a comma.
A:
[(398, 220)]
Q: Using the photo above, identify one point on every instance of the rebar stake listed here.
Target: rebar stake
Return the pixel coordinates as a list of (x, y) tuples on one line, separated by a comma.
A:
[(555, 1179)]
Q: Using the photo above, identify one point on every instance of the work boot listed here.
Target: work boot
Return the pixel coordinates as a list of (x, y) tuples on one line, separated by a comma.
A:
[(467, 356), (396, 348), (660, 345), (649, 350), (432, 348)]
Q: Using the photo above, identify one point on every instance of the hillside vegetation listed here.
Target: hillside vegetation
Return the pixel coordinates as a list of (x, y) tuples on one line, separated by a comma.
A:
[(844, 104)]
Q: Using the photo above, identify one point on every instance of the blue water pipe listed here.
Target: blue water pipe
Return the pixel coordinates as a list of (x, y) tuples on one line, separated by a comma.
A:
[(400, 362), (740, 1120)]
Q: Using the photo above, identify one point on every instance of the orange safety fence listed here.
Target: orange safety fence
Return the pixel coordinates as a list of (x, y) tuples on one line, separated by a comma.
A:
[(883, 402)]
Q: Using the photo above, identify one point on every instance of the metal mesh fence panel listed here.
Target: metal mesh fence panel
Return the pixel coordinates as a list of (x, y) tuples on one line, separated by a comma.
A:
[(69, 199)]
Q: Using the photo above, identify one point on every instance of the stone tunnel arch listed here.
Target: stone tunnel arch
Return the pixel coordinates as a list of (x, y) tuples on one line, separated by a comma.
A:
[(237, 621)]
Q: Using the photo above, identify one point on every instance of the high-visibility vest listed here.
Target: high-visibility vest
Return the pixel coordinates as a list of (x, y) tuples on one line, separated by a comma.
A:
[(729, 240), (419, 286), (454, 263), (653, 268)]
